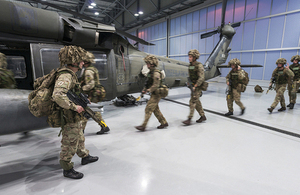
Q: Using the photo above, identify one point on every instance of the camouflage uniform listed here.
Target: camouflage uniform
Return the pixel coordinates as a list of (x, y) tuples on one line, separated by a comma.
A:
[(282, 77), (72, 134), (293, 87), (196, 73), (234, 78), (7, 79), (154, 81), (89, 81)]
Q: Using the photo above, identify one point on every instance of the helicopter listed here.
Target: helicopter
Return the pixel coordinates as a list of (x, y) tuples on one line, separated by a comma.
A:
[(31, 38)]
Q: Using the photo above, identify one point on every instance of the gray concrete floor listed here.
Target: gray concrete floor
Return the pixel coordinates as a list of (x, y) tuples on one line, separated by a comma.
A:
[(223, 155)]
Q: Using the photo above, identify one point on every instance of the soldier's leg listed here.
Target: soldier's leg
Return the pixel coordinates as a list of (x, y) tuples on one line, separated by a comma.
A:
[(104, 127), (81, 150), (192, 104), (290, 89), (69, 144), (158, 113), (237, 98), (277, 98), (281, 95), (84, 122), (229, 99), (151, 106), (293, 93), (198, 105)]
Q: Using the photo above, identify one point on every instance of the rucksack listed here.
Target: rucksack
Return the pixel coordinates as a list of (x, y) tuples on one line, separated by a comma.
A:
[(245, 80), (7, 79)]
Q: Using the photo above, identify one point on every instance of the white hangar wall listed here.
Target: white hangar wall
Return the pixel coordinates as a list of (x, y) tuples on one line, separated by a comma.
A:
[(270, 29)]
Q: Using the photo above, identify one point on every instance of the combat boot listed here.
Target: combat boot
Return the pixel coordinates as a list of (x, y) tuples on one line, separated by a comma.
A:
[(187, 122), (72, 174), (243, 111), (291, 105), (271, 109), (89, 159), (103, 130), (229, 113), (281, 109), (162, 126), (140, 128), (201, 119)]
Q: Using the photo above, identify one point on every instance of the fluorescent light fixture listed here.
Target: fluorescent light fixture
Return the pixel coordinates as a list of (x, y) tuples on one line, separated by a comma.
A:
[(93, 4), (96, 13), (91, 7), (140, 12), (136, 14)]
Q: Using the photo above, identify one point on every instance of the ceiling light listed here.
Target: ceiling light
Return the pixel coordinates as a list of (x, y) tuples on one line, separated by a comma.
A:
[(96, 13), (140, 12), (93, 4), (91, 7), (136, 14)]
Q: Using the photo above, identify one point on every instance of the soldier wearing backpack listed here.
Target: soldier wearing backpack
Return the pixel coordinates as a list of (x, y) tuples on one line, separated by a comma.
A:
[(7, 79), (295, 84), (91, 86), (157, 90), (71, 60), (282, 76), (237, 80)]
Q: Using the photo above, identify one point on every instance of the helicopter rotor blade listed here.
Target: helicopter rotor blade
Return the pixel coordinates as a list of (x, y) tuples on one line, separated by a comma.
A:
[(237, 24), (205, 35), (224, 4)]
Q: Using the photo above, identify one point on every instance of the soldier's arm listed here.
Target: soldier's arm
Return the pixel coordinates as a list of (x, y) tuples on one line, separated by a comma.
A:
[(62, 86), (89, 81), (201, 75), (227, 78), (156, 81)]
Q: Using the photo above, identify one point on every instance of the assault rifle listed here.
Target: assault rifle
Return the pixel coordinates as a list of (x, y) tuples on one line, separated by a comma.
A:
[(229, 90), (190, 85), (83, 101), (272, 86)]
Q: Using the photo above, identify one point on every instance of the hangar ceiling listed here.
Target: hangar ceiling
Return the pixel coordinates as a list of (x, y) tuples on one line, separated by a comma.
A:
[(122, 13)]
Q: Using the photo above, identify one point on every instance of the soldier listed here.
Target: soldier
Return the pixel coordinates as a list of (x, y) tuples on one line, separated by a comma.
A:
[(7, 79), (234, 81), (282, 76), (154, 81), (91, 86), (293, 87), (72, 134), (197, 77)]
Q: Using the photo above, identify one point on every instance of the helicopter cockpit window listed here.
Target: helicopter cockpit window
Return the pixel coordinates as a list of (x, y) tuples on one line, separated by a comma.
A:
[(49, 59), (17, 65), (101, 65)]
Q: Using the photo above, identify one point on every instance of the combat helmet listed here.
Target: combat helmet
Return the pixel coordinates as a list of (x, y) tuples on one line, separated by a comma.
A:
[(236, 62), (281, 61), (89, 57), (195, 53), (3, 63), (151, 59), (71, 54), (258, 88), (296, 57)]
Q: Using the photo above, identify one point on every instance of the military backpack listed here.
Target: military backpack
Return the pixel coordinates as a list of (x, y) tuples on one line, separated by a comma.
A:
[(7, 79)]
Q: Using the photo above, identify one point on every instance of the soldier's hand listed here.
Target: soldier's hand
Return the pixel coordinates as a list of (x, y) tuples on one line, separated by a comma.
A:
[(79, 109), (287, 65), (227, 83), (143, 92)]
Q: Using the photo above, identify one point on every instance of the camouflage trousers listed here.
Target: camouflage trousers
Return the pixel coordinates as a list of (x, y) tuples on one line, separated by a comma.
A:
[(85, 120), (72, 142), (195, 103), (234, 96), (279, 96), (152, 107), (293, 88)]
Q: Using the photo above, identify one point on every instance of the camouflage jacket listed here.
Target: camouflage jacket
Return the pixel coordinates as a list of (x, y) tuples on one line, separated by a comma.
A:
[(196, 73), (65, 81), (7, 79), (296, 70), (153, 81), (236, 77), (282, 76), (90, 79)]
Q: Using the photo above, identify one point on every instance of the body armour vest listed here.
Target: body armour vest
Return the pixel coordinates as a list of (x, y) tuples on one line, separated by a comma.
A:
[(150, 78), (281, 78), (193, 71), (71, 116), (234, 77), (96, 75), (296, 70)]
